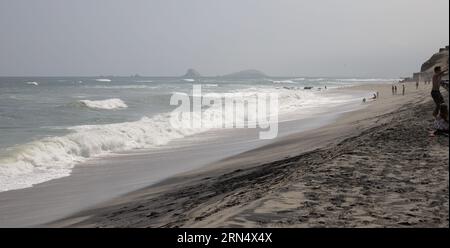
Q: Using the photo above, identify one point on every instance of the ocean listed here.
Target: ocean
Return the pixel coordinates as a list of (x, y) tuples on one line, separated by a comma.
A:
[(50, 125)]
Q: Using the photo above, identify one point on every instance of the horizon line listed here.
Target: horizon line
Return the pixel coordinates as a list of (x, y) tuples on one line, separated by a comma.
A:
[(218, 76)]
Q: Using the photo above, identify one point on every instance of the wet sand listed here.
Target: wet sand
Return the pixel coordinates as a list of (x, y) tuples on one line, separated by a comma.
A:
[(375, 167)]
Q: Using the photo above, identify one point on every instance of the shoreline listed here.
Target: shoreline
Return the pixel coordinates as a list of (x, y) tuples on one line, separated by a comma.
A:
[(44, 156), (217, 196), (105, 178)]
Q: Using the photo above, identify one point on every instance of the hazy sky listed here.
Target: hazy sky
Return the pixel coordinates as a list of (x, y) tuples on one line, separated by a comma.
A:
[(366, 38)]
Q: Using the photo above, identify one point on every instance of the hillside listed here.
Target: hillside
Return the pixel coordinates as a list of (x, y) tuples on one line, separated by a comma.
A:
[(438, 59)]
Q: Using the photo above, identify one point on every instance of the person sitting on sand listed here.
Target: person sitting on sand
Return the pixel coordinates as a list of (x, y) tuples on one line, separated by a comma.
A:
[(435, 91), (441, 121), (374, 97), (445, 84)]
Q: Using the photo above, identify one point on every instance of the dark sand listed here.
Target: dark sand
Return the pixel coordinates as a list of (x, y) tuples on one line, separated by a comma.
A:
[(376, 167)]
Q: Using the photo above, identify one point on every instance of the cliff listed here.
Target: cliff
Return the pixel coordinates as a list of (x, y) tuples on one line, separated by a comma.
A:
[(438, 59), (427, 69)]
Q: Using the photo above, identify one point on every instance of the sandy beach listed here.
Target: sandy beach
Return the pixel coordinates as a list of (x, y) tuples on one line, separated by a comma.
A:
[(225, 123), (374, 167)]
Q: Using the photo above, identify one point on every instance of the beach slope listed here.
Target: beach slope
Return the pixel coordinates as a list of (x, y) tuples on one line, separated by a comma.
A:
[(375, 167)]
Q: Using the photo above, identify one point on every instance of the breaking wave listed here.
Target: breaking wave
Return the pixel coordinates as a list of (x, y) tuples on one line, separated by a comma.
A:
[(109, 104), (105, 80)]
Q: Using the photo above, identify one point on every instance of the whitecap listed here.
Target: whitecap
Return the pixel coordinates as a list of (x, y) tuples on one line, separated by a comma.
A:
[(109, 104), (105, 80)]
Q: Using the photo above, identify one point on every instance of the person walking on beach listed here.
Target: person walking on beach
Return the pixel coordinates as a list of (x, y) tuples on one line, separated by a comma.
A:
[(435, 90), (403, 90)]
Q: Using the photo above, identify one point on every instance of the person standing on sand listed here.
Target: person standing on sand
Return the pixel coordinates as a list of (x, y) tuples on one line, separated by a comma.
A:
[(403, 90), (417, 84), (395, 90), (435, 90), (392, 89)]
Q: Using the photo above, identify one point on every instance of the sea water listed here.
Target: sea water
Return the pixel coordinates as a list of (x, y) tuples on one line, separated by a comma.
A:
[(50, 125)]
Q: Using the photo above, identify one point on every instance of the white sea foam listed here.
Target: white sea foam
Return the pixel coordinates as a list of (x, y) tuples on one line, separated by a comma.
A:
[(32, 83), (105, 80), (189, 80), (316, 79), (367, 80), (113, 103), (54, 157), (294, 99), (283, 82), (131, 86)]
